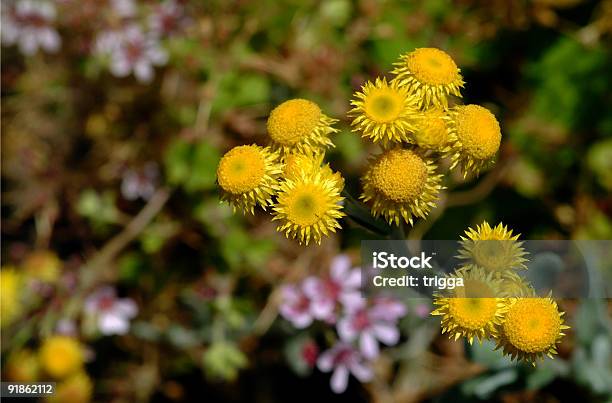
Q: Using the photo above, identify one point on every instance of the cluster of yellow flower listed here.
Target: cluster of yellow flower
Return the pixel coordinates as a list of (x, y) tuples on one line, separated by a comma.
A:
[(40, 266), (495, 302), (409, 117), (61, 359)]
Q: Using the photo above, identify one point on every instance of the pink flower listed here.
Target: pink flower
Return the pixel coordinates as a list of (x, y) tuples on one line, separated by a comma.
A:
[(342, 286), (344, 360), (369, 325), (131, 51), (113, 314), (139, 183), (167, 18), (388, 308), (296, 306), (29, 24)]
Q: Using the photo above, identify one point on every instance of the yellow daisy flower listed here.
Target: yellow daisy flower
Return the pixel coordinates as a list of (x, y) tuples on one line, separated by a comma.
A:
[(384, 112), (477, 137), (77, 388), (61, 356), (431, 75), (22, 366), (432, 131), (400, 184), (10, 295), (474, 310), (299, 125), (248, 177), (42, 265), (494, 249), (532, 328), (309, 205)]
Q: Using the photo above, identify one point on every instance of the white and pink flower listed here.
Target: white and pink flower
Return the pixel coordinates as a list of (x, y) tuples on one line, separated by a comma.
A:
[(296, 306), (343, 359), (113, 314), (340, 287), (131, 50), (29, 25), (370, 324)]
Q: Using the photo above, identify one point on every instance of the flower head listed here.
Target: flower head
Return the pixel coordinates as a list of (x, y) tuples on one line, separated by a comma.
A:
[(400, 184), (10, 291), (476, 135), (474, 310), (167, 18), (369, 325), (531, 329), (344, 360), (430, 74), (43, 266), (131, 50), (299, 125), (248, 177), (29, 24), (296, 306), (22, 366), (493, 248), (77, 388), (384, 112), (309, 206), (341, 287), (113, 314), (140, 183), (432, 132), (61, 356)]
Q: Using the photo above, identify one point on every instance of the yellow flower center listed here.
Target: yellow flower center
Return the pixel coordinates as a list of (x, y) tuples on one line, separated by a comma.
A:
[(432, 66), (399, 175), (306, 205), (532, 325), (432, 131), (241, 169), (478, 131), (472, 313), (384, 105), (61, 356), (293, 121)]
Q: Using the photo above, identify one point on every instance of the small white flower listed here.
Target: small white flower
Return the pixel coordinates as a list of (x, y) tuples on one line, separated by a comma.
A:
[(131, 50), (113, 314), (29, 25)]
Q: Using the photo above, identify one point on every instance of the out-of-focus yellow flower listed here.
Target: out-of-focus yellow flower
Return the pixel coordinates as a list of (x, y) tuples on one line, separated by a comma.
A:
[(400, 184), (309, 205), (248, 177), (22, 366), (61, 356), (42, 265), (10, 292), (474, 310), (477, 137), (299, 125), (430, 74), (532, 328), (384, 112), (77, 388), (494, 249)]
